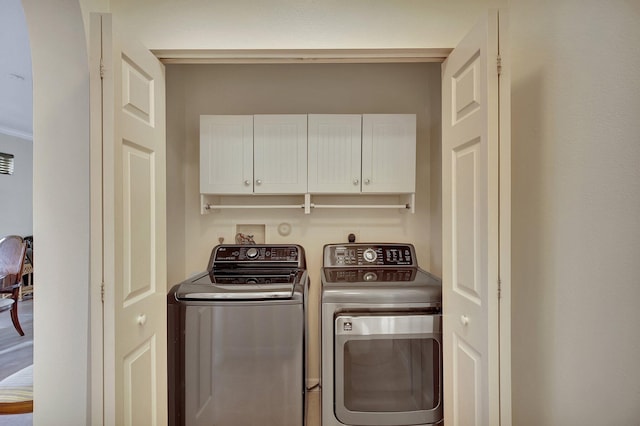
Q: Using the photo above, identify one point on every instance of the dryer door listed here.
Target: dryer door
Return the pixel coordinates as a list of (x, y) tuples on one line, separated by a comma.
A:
[(388, 368)]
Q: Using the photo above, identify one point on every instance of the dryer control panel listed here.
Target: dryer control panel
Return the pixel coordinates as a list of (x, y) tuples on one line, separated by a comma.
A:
[(365, 254)]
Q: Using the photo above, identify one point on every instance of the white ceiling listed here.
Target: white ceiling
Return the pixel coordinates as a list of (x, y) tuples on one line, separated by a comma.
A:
[(16, 83)]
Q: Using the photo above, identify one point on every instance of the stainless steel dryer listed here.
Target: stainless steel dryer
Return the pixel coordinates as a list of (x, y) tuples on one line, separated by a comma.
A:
[(381, 329), (236, 339)]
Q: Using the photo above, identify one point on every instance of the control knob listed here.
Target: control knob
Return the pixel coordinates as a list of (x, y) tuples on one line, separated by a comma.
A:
[(370, 255), (252, 253)]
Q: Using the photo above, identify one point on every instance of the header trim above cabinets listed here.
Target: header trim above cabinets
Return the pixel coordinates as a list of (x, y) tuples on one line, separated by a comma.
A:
[(279, 56)]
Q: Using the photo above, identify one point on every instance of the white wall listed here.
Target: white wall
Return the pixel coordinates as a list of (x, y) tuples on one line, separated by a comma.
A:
[(61, 211), (16, 190), (277, 89), (576, 212)]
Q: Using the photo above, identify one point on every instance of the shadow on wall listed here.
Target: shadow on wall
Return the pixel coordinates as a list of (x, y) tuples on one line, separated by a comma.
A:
[(533, 293)]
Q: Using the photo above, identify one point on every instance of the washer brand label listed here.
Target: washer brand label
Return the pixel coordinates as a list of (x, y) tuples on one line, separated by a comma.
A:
[(347, 326)]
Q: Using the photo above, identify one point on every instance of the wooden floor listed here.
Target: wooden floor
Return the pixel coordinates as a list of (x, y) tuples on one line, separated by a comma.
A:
[(16, 352), (313, 408)]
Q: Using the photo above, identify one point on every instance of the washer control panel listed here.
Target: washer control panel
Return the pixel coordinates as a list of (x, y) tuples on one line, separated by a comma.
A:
[(365, 254), (264, 254)]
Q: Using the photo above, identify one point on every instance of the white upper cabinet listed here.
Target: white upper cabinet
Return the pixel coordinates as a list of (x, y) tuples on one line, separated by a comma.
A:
[(388, 153), (315, 153), (334, 153), (280, 154), (226, 154), (247, 154)]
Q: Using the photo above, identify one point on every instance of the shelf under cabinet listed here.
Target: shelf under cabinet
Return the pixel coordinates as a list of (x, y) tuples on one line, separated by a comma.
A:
[(214, 202)]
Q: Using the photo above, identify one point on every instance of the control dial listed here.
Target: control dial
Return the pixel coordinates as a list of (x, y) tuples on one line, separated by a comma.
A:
[(252, 253), (370, 255)]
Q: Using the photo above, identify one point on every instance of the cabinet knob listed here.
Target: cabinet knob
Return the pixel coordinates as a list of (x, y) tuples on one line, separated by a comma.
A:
[(258, 182), (367, 181), (247, 182), (356, 181), (464, 319)]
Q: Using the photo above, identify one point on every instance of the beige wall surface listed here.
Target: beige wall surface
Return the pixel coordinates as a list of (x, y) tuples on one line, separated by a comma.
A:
[(278, 89), (295, 24), (576, 212), (16, 190)]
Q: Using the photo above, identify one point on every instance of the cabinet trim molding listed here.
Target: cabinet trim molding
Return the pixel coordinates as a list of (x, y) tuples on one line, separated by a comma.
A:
[(285, 56)]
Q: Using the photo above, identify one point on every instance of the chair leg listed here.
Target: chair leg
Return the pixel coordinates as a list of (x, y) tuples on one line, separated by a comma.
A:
[(14, 311)]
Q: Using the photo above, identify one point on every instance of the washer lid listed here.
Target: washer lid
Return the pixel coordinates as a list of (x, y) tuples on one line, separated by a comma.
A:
[(245, 287)]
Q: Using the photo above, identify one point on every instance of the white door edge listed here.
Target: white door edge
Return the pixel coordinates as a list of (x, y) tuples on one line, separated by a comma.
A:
[(504, 84), (96, 239)]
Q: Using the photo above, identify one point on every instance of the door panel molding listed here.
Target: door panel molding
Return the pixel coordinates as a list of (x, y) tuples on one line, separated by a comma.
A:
[(472, 231), (133, 230)]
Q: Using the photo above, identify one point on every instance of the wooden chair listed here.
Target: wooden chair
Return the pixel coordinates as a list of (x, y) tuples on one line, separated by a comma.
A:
[(27, 272), (12, 254)]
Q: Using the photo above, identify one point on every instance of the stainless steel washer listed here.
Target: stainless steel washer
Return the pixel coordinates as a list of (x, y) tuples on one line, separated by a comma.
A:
[(381, 330), (236, 339)]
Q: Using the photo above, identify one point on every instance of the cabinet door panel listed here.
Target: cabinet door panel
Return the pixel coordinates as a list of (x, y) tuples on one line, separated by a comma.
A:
[(280, 154), (388, 153), (334, 153), (226, 154)]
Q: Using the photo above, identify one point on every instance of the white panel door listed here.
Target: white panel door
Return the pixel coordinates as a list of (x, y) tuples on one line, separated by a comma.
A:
[(135, 370), (389, 153), (470, 102), (280, 154), (334, 145), (226, 154)]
